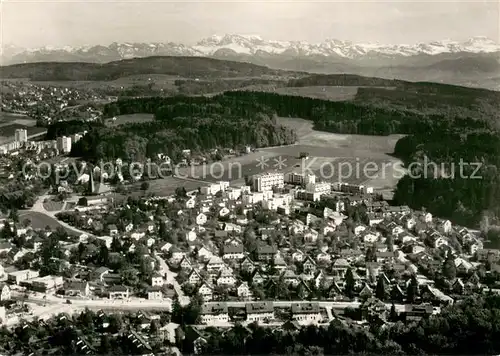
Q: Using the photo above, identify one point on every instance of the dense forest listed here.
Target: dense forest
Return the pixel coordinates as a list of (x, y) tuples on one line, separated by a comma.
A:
[(466, 192), (70, 127), (471, 327), (198, 124), (187, 67)]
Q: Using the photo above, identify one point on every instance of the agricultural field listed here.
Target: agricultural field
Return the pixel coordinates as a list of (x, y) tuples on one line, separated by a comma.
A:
[(236, 171), (333, 155), (9, 119), (159, 81), (168, 185), (40, 221), (129, 119), (333, 93)]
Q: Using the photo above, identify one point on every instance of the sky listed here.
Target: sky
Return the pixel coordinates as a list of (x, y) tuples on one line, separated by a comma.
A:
[(58, 23)]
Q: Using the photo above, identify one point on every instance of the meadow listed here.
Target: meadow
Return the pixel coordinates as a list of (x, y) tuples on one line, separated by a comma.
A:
[(129, 119)]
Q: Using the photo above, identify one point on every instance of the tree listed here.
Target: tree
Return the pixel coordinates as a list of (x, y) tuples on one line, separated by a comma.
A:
[(154, 327), (103, 256), (6, 232), (380, 291), (144, 186), (162, 231), (412, 290), (180, 192), (349, 283), (129, 276), (83, 201), (449, 268), (105, 346), (393, 316), (115, 323), (14, 215)]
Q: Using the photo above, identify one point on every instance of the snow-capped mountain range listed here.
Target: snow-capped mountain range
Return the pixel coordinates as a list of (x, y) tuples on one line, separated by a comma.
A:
[(248, 45)]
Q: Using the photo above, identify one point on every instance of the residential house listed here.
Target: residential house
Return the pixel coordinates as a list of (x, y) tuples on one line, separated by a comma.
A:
[(247, 265), (226, 278), (231, 252), (201, 219), (243, 291), (113, 230), (258, 278), (266, 252), (206, 292), (4, 292), (190, 203), (445, 227), (194, 277), (46, 283), (191, 235), (77, 288), (157, 280), (154, 293), (215, 264), (309, 266), (214, 314), (118, 292), (21, 276), (260, 312), (416, 313), (339, 267), (306, 312)]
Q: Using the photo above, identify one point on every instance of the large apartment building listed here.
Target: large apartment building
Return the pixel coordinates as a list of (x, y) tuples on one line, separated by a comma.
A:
[(21, 135), (267, 181)]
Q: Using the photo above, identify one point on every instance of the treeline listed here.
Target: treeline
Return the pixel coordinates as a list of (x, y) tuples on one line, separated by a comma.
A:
[(453, 175), (341, 80), (70, 127), (195, 123), (354, 118), (468, 328), (199, 87)]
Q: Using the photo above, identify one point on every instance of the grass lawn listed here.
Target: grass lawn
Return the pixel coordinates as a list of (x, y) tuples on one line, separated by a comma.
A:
[(51, 205), (40, 221), (165, 186), (10, 129)]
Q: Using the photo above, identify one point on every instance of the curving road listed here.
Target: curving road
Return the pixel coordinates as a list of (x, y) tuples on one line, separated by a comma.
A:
[(40, 209)]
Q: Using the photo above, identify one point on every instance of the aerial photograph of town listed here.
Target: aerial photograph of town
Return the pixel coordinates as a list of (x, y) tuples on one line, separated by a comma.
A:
[(249, 178)]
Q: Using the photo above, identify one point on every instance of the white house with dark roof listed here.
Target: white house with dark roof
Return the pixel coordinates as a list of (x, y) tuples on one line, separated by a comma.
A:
[(259, 311), (214, 314)]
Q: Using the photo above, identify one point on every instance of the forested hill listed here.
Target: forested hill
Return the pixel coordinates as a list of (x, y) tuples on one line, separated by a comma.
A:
[(445, 137), (188, 67), (195, 123)]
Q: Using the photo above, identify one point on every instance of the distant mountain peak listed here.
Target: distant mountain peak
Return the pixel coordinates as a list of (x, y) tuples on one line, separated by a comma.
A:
[(248, 45)]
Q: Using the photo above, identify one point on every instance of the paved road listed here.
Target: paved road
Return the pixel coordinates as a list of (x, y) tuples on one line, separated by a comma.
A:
[(166, 304), (170, 279)]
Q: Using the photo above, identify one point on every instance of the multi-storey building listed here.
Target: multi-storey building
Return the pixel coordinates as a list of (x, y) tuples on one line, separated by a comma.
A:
[(268, 181)]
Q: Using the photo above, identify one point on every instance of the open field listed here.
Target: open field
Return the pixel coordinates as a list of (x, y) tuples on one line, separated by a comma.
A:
[(333, 93), (159, 80), (40, 221), (333, 155), (167, 186), (321, 92), (236, 171), (51, 205), (9, 130), (129, 119), (7, 118)]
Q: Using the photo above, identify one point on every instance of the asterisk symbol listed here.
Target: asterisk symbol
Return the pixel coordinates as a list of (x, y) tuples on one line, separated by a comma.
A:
[(280, 162), (263, 162)]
